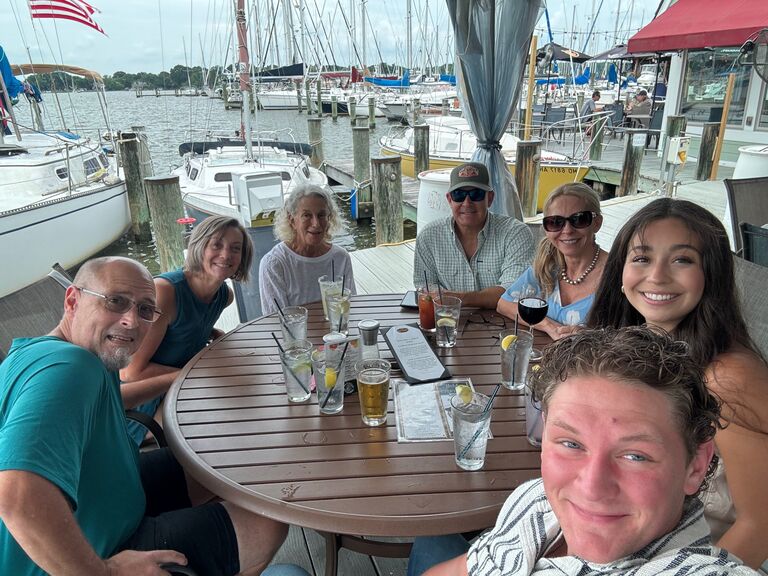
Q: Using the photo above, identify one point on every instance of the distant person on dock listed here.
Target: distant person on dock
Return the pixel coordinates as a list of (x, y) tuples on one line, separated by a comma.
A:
[(590, 107), (192, 299), (473, 254), (76, 496), (640, 106), (289, 272), (568, 263)]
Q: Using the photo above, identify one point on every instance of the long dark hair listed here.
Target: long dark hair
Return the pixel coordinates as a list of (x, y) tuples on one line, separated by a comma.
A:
[(717, 322)]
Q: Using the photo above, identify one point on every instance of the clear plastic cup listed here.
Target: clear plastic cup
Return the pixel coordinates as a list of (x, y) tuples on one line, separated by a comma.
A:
[(515, 359), (534, 422), (329, 378), (470, 430), (447, 312), (297, 369), (328, 286), (373, 390), (426, 310), (293, 322), (338, 311)]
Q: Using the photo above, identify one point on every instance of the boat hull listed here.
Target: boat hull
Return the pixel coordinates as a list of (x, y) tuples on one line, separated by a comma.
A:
[(551, 175), (66, 230)]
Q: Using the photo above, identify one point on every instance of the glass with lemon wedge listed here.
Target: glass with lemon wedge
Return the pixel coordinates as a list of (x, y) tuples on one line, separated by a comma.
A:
[(338, 311), (447, 312), (297, 369), (515, 350), (329, 378)]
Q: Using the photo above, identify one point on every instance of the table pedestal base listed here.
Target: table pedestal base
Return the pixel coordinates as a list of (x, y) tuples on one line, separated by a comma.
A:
[(335, 542)]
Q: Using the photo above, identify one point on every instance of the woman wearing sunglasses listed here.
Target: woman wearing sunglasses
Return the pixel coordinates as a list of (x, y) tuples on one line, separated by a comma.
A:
[(568, 263), (191, 300)]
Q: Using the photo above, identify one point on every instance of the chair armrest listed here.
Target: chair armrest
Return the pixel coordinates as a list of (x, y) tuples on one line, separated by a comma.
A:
[(150, 424)]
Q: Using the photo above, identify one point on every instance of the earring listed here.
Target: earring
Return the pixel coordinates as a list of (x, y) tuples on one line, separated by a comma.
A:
[(622, 288)]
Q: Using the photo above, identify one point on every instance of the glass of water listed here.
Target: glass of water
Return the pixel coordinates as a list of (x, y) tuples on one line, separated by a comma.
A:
[(338, 311), (447, 312), (328, 286), (515, 353), (293, 322), (471, 422), (297, 369)]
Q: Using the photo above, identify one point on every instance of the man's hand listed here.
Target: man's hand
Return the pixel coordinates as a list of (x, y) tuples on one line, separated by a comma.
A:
[(134, 563)]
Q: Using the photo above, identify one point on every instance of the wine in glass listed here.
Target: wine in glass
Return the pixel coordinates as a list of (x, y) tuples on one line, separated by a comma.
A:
[(532, 310)]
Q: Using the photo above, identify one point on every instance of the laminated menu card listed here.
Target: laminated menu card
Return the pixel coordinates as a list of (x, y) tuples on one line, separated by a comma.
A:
[(417, 360)]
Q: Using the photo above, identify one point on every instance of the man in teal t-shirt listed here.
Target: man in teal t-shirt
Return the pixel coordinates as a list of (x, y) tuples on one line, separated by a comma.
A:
[(75, 495)]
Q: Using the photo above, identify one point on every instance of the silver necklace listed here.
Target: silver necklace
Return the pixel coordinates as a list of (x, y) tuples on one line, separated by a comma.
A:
[(580, 279)]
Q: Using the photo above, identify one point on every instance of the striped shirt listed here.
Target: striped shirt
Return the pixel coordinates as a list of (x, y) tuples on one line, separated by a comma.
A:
[(526, 528), (504, 251)]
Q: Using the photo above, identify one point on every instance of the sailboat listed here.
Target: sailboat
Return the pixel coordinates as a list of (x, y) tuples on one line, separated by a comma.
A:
[(61, 198), (248, 178)]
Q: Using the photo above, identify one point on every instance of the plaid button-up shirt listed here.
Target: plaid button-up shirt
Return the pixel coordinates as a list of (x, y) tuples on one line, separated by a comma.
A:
[(504, 250)]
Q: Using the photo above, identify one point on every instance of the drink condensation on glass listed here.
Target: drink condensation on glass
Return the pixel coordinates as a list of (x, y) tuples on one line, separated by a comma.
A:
[(515, 355), (447, 312), (297, 369), (338, 311), (329, 378), (470, 430), (328, 286), (293, 323), (373, 390), (426, 310)]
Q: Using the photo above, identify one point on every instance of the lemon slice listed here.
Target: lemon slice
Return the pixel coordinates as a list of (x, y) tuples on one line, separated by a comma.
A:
[(535, 367), (507, 342), (464, 392), (447, 322), (330, 378)]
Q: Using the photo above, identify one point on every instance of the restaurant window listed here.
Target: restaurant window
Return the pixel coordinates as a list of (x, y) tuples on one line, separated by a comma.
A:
[(763, 122), (705, 82)]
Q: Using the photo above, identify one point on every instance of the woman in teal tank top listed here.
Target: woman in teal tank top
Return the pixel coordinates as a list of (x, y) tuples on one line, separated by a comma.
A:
[(191, 300)]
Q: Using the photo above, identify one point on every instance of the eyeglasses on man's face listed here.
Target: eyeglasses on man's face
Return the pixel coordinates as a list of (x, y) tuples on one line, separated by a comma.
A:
[(121, 304), (581, 219), (475, 194)]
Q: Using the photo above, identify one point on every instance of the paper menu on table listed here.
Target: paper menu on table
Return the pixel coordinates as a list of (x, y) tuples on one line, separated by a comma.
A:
[(415, 357), (423, 412)]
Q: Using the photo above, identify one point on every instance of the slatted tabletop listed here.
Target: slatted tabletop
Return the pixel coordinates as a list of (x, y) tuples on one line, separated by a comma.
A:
[(229, 423)]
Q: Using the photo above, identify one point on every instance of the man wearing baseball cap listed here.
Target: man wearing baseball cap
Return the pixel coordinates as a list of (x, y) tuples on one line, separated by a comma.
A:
[(472, 254), (640, 106)]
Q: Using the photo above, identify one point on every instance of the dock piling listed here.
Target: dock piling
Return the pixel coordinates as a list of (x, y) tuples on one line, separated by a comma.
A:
[(445, 107), (596, 141), (135, 171), (415, 111), (420, 148), (166, 208), (527, 164), (362, 171), (298, 95), (706, 158), (319, 99), (634, 149), (371, 112), (308, 95), (334, 107), (675, 127), (386, 176), (352, 107), (315, 131)]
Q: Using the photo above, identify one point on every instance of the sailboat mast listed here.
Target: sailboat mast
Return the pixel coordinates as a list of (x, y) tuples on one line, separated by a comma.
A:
[(244, 67), (362, 35), (409, 37)]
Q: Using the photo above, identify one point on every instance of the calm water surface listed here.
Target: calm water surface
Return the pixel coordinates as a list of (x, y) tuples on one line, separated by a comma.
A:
[(170, 121)]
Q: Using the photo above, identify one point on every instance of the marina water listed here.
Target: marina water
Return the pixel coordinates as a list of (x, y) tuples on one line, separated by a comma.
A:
[(169, 121)]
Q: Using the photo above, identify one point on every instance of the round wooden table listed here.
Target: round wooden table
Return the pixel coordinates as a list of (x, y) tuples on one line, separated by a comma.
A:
[(229, 423)]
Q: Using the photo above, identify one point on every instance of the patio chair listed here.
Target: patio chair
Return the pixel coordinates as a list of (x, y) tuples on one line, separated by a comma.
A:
[(751, 281), (748, 201), (754, 239), (616, 123), (554, 122), (654, 127)]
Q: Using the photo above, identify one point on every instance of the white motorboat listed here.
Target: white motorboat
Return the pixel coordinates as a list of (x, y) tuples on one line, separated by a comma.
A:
[(61, 199)]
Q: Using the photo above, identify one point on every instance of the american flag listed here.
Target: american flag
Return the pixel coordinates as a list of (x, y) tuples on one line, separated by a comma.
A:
[(75, 10)]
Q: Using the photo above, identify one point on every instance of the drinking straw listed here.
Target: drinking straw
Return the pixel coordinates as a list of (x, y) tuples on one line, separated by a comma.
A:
[(485, 411), (426, 282), (440, 294), (283, 320), (515, 324), (333, 272), (338, 368), (288, 368)]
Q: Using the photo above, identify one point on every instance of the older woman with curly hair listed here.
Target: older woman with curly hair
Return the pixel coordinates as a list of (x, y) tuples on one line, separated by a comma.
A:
[(288, 273)]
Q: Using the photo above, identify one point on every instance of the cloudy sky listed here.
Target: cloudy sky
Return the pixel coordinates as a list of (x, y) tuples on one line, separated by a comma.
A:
[(154, 35)]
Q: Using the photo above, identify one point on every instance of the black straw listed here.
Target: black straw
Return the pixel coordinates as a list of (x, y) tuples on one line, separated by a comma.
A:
[(284, 321), (333, 272), (338, 369), (426, 282), (485, 411)]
